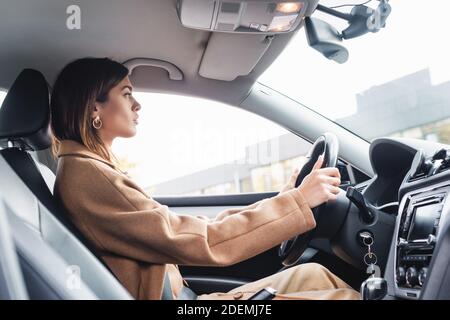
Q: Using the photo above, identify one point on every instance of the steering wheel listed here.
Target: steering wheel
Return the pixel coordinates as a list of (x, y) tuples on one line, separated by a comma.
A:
[(328, 145)]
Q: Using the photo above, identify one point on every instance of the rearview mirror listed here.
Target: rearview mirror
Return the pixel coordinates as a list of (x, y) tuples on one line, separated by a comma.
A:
[(325, 39)]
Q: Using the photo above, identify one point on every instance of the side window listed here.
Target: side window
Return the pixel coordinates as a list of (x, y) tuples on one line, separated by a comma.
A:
[(2, 96), (191, 146)]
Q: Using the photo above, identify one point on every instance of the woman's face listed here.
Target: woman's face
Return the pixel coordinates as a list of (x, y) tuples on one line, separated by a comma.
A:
[(119, 113)]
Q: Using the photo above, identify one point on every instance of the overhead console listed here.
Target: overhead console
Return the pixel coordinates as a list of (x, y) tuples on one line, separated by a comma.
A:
[(242, 31), (263, 16)]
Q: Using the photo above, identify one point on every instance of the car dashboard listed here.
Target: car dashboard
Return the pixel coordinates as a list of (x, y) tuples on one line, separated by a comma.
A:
[(412, 185)]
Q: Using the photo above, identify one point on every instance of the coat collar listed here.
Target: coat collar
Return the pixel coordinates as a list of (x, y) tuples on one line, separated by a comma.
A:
[(74, 148)]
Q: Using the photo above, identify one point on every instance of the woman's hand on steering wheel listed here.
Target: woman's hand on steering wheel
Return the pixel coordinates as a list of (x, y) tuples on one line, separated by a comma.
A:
[(317, 185), (321, 184)]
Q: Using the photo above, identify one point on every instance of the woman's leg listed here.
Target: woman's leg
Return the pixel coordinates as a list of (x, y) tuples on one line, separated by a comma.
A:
[(304, 277), (306, 281)]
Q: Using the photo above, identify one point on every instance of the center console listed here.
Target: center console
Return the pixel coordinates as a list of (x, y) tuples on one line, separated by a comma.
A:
[(416, 173), (423, 211), (421, 214)]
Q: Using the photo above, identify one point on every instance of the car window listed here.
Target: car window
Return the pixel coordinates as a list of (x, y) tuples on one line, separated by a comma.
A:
[(395, 83), (2, 96), (191, 146)]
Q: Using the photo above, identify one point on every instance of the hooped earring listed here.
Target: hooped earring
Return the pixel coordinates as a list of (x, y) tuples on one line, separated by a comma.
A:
[(97, 123)]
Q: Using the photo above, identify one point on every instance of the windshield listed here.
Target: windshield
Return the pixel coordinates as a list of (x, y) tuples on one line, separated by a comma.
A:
[(395, 82)]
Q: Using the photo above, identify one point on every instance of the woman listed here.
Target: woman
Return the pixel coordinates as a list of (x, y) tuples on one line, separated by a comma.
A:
[(141, 240)]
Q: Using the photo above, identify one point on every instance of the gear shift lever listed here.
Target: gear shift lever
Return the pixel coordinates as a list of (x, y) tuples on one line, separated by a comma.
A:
[(374, 289)]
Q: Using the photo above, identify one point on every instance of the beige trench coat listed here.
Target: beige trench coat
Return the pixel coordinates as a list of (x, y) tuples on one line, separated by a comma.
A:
[(140, 239)]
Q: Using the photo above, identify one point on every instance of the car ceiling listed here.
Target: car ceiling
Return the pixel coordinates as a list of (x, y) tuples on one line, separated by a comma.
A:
[(33, 34)]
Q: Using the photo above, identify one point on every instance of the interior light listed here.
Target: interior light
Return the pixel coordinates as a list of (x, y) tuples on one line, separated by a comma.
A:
[(282, 23), (289, 7)]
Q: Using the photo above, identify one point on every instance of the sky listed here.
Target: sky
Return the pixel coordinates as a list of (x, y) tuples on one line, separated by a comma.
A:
[(181, 135), (412, 40)]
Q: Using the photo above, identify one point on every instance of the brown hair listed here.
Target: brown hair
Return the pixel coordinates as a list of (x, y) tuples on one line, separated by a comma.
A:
[(79, 85)]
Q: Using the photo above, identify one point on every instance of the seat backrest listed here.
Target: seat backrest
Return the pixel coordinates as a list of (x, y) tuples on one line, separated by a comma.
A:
[(47, 242), (46, 274), (12, 285)]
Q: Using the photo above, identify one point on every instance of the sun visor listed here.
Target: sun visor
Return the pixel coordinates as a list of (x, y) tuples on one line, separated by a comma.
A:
[(229, 55)]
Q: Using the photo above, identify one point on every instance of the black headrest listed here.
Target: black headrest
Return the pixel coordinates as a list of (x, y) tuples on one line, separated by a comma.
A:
[(25, 113)]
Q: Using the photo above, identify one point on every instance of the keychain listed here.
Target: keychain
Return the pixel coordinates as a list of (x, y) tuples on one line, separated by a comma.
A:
[(370, 258), (375, 287)]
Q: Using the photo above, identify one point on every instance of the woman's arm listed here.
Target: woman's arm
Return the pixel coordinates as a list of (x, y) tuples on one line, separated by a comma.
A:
[(121, 219), (232, 211), (287, 187)]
